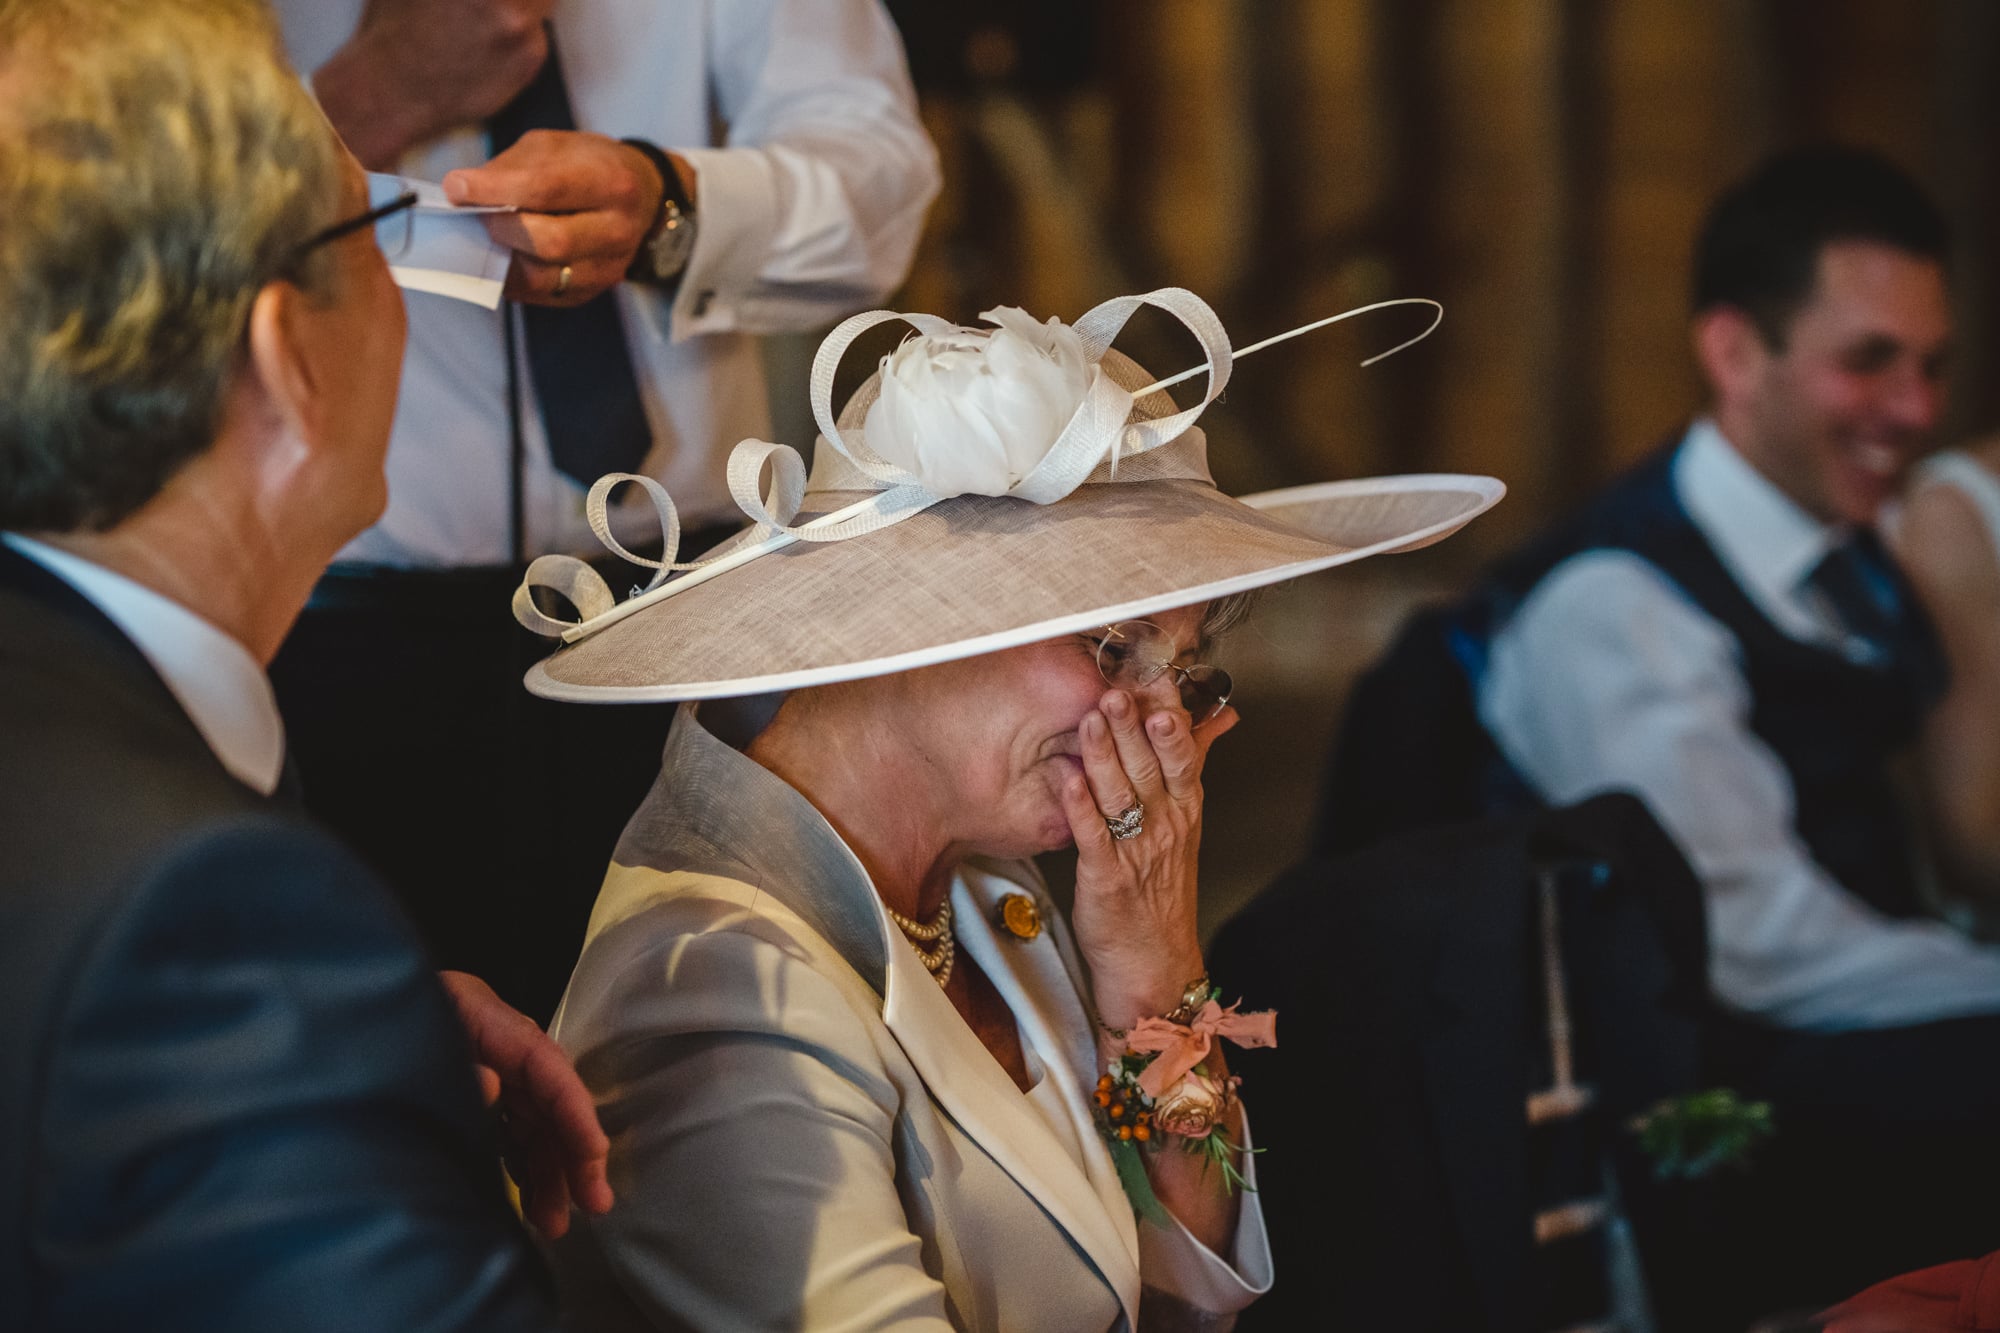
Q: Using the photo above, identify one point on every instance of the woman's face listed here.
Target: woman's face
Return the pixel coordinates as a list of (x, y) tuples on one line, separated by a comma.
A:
[(996, 736)]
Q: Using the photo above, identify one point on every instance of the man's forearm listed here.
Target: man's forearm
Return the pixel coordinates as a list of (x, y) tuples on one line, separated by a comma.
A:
[(379, 119)]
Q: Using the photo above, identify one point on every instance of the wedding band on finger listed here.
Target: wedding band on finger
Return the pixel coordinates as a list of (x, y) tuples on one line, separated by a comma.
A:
[(1127, 824), (563, 276)]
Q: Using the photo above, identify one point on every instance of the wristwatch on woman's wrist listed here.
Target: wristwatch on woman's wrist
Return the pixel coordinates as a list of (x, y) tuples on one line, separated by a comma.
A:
[(1193, 996), (663, 255)]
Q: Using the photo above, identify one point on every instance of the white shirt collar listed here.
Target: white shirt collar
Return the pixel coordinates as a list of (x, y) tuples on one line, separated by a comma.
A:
[(1769, 544), (224, 690)]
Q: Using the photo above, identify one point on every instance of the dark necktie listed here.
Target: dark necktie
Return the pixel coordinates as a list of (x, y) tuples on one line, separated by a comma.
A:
[(577, 356), (1875, 603)]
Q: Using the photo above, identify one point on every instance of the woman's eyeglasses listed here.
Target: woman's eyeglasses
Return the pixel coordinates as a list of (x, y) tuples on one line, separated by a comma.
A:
[(1132, 654)]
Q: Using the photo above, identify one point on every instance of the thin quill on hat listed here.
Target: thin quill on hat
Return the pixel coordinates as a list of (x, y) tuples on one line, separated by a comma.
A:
[(778, 540)]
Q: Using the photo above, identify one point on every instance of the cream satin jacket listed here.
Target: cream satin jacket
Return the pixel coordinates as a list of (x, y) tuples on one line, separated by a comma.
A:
[(804, 1132)]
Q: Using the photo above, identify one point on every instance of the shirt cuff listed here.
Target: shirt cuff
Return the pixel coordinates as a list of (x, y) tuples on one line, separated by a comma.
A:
[(1173, 1261), (736, 219)]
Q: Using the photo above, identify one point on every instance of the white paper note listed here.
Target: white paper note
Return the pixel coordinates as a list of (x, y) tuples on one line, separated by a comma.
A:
[(438, 247)]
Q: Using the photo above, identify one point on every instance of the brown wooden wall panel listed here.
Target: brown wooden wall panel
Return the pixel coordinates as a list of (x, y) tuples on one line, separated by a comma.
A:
[(1966, 102), (1538, 165), (1681, 109), (1499, 206), (1858, 70), (1187, 135), (1325, 146)]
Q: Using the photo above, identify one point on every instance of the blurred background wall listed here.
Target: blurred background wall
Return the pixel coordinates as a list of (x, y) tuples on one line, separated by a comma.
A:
[(1539, 166)]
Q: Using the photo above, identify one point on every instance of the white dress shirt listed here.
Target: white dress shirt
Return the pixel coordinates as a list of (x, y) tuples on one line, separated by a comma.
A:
[(217, 681), (813, 175), (1609, 678)]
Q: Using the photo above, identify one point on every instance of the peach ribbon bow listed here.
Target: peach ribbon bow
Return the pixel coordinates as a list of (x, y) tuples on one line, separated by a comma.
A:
[(1180, 1048)]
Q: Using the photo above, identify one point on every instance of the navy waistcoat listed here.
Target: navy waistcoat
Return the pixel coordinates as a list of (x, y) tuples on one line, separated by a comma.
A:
[(1834, 724)]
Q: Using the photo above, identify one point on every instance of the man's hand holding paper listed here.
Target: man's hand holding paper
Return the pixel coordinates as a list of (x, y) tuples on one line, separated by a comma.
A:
[(582, 201)]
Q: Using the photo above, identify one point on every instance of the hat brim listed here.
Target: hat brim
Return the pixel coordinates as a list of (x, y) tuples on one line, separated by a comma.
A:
[(976, 575)]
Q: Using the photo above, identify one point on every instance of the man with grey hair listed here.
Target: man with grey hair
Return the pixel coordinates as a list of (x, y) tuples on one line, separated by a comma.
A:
[(233, 1095)]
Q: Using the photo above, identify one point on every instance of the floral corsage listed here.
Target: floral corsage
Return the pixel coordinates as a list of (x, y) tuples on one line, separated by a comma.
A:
[(1160, 1090)]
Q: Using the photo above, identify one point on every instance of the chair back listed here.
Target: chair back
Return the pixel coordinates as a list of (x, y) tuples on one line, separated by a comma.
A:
[(1411, 752), (1471, 1014)]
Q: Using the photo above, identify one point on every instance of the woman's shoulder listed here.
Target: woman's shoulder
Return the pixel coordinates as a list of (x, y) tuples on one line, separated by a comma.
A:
[(681, 952), (640, 910), (1946, 532), (1972, 470)]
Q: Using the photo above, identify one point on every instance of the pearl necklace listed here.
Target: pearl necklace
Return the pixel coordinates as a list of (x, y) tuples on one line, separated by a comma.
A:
[(933, 942)]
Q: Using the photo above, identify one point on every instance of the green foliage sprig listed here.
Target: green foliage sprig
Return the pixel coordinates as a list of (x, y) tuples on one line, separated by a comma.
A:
[(1125, 1115), (1693, 1136)]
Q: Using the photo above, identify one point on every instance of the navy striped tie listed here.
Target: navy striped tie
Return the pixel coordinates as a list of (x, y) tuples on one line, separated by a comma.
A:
[(577, 356), (1876, 604)]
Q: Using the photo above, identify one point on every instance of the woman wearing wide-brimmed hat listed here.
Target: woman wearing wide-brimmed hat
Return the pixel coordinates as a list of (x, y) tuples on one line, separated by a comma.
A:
[(857, 1071)]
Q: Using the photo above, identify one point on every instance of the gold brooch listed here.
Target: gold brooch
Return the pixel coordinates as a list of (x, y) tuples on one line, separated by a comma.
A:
[(1020, 915)]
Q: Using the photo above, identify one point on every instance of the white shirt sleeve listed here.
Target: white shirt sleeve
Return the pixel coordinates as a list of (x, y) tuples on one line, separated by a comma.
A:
[(1609, 678), (813, 205), (1174, 1263)]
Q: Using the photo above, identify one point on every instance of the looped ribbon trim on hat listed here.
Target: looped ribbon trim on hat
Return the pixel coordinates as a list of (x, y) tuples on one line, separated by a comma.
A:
[(583, 586), (1180, 1047), (1100, 429)]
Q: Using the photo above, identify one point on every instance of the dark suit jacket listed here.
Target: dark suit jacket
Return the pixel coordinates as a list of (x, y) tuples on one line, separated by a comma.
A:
[(233, 1095), (1402, 1173)]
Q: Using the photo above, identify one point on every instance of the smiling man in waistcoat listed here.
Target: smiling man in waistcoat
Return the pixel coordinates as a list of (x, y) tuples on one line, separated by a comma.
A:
[(1721, 632)]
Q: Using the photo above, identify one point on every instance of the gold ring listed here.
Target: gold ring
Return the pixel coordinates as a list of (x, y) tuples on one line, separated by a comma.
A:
[(563, 275)]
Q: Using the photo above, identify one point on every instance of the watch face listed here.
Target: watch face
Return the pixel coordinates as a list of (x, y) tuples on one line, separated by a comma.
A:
[(669, 249)]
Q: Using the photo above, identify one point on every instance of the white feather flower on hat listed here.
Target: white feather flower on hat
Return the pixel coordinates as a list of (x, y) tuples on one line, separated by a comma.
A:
[(972, 412)]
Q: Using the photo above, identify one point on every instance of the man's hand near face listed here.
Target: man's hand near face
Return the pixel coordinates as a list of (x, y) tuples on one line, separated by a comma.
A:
[(417, 68)]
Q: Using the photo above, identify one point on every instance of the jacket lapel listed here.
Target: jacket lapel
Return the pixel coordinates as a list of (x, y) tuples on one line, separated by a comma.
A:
[(1044, 982), (969, 1084)]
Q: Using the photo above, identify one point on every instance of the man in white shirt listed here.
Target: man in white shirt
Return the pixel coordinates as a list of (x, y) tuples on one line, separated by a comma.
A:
[(729, 168), (233, 1094), (1607, 672), (1720, 633)]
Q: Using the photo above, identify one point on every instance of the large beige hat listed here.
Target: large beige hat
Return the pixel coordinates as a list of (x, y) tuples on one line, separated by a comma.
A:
[(865, 570)]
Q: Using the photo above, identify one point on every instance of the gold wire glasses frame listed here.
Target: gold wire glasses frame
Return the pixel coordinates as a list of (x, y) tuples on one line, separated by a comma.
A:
[(391, 246), (1133, 653)]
